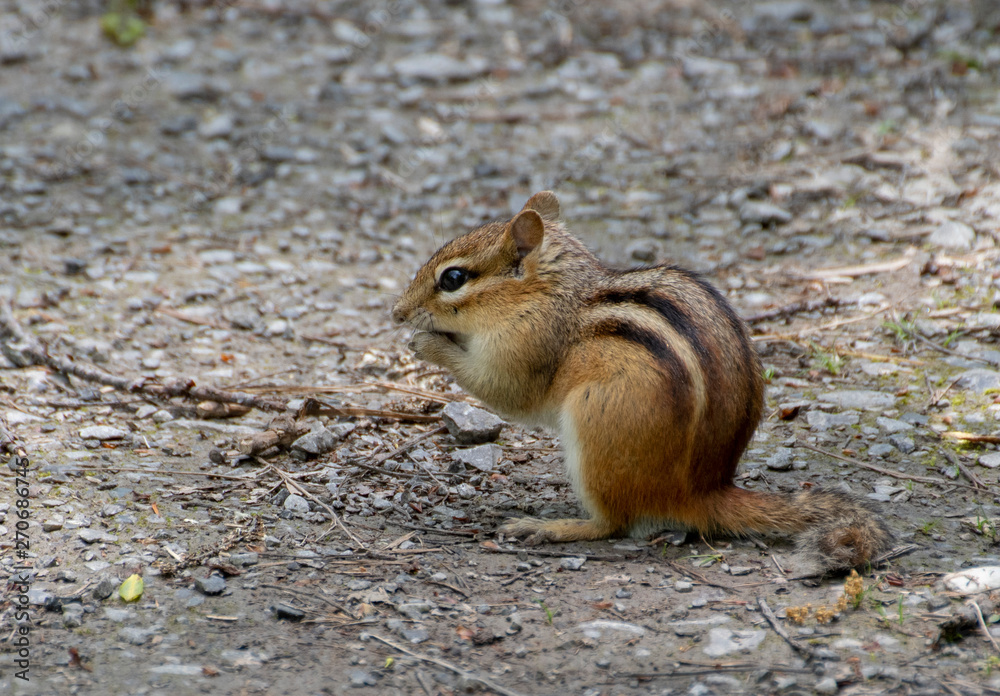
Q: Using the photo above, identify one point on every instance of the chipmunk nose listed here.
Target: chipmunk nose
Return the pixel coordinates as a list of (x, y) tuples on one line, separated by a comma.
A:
[(398, 315)]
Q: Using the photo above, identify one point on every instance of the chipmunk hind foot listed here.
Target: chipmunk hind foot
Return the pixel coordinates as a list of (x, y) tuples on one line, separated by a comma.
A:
[(535, 531)]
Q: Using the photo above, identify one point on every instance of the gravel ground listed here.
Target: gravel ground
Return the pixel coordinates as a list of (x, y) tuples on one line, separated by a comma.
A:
[(236, 199)]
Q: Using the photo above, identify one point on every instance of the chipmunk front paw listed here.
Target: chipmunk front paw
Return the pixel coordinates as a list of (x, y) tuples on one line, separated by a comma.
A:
[(432, 347)]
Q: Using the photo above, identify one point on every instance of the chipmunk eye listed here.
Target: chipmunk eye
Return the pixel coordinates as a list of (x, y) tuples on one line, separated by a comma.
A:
[(454, 278)]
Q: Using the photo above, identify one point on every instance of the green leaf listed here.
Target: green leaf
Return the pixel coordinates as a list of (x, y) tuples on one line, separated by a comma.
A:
[(123, 29), (132, 588)]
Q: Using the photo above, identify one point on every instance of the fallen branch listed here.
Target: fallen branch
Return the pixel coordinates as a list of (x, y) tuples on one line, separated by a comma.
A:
[(294, 487), (465, 674), (282, 431), (887, 472), (857, 271), (966, 471), (796, 308), (807, 650), (314, 407), (971, 437), (24, 350), (364, 387), (982, 625), (493, 548), (948, 351), (691, 573)]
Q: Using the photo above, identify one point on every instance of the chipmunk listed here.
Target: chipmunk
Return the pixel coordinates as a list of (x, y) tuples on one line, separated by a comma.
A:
[(648, 376)]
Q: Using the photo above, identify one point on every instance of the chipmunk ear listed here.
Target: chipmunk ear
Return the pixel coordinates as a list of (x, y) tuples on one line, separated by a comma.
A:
[(545, 204), (527, 231)]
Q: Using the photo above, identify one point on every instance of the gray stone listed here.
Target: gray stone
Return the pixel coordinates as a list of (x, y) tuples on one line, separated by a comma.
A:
[(296, 503), (163, 416), (321, 440), (470, 425), (683, 586), (864, 399), (91, 536), (991, 460), (979, 380), (483, 458), (437, 67), (823, 131), (902, 443), (219, 126), (112, 509), (821, 421), (724, 641), (360, 677), (643, 250), (38, 596), (826, 686), (186, 86), (572, 563), (415, 635), (891, 425), (103, 589), (952, 234), (53, 524), (277, 327), (596, 627), (695, 67), (179, 670), (135, 635), (102, 432), (763, 213), (212, 585), (782, 11), (118, 615), (781, 460), (880, 451), (287, 612), (178, 125), (244, 559)]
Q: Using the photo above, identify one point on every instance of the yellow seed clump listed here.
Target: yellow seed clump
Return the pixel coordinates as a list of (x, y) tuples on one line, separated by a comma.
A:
[(854, 587), (825, 615), (797, 614)]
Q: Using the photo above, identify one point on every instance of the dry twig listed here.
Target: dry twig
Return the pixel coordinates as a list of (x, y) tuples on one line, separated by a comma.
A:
[(888, 472), (806, 650), (24, 350), (971, 437), (795, 308), (465, 674)]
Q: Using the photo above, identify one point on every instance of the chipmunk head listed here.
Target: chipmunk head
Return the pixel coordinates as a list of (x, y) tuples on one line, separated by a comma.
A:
[(463, 286)]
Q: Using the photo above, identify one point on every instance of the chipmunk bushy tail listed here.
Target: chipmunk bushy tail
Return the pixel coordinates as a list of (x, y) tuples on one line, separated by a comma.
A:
[(832, 530)]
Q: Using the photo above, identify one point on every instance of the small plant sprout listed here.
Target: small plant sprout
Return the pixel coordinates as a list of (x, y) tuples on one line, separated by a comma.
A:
[(828, 360), (952, 337), (549, 615), (903, 330), (769, 374), (899, 609)]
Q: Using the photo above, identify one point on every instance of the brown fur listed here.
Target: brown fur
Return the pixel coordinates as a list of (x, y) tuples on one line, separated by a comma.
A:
[(648, 375)]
